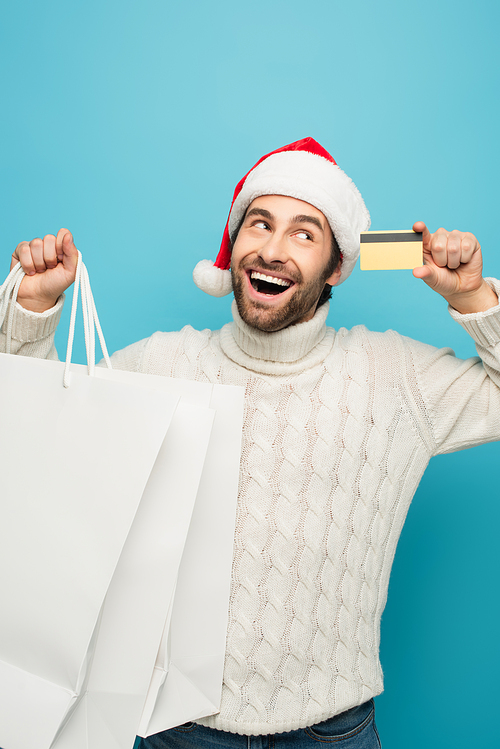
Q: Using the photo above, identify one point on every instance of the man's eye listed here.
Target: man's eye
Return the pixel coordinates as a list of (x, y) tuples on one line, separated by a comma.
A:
[(261, 225), (303, 235)]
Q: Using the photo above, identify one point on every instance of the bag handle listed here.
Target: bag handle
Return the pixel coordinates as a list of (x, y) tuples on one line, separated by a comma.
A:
[(9, 291)]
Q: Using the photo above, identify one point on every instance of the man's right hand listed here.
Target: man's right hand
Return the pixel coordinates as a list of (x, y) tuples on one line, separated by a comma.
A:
[(50, 267)]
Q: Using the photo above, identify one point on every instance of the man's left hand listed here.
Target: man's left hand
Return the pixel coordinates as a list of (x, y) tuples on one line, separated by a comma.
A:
[(453, 267)]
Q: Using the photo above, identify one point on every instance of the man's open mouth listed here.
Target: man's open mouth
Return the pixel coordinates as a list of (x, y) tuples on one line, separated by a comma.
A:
[(269, 285)]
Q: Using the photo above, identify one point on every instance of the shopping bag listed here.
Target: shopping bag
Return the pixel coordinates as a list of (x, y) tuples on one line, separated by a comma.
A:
[(140, 593), (187, 680), (108, 717), (140, 599), (74, 462)]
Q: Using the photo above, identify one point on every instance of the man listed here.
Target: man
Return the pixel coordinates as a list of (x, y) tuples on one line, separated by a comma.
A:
[(339, 427)]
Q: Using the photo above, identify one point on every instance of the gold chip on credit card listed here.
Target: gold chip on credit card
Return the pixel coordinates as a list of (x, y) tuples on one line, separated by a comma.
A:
[(391, 250)]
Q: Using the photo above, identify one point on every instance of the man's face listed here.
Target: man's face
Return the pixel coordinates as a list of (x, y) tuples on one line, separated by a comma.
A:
[(280, 262)]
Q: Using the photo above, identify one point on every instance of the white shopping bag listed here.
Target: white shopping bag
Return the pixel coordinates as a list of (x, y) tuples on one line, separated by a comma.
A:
[(108, 717), (74, 465), (187, 680), (103, 707), (134, 612)]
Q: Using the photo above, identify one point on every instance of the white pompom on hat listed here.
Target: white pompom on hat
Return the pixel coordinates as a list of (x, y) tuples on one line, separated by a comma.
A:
[(302, 170)]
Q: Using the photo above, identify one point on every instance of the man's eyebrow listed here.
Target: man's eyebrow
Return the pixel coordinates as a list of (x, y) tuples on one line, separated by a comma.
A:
[(259, 212), (302, 218)]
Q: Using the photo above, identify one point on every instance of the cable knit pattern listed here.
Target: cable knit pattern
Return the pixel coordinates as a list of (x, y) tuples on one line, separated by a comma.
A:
[(339, 427), (33, 332)]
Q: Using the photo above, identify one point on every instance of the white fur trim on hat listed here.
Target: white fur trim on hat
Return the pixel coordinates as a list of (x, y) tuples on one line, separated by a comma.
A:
[(315, 180)]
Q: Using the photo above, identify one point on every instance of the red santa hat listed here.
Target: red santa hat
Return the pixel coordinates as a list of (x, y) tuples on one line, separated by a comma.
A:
[(302, 170)]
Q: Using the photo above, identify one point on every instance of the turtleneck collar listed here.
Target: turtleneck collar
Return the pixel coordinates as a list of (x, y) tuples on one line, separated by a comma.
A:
[(286, 351)]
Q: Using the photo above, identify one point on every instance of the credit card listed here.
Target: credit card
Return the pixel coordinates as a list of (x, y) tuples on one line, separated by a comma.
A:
[(391, 250)]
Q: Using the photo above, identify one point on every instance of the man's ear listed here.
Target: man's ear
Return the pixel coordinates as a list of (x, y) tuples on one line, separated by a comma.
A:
[(334, 278)]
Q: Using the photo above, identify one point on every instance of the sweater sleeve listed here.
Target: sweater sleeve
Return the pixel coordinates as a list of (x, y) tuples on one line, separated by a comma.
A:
[(33, 332), (33, 335), (459, 399), (129, 358)]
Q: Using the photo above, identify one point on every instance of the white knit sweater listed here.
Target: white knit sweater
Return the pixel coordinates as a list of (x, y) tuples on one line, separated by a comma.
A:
[(339, 428)]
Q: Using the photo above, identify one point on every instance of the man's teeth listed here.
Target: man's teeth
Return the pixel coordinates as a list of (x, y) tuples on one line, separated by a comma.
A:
[(269, 279)]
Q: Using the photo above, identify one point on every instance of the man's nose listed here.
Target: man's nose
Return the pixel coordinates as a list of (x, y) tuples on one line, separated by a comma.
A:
[(274, 250)]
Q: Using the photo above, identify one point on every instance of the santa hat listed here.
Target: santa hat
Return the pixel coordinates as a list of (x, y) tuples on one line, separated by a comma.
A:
[(302, 170)]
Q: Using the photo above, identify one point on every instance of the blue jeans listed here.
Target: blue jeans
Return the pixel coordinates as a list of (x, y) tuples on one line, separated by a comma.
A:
[(353, 729)]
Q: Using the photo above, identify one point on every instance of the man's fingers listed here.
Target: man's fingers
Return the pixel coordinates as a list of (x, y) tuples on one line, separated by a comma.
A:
[(425, 272), (67, 243), (44, 254), (49, 251), (451, 249), (70, 253), (59, 242), (452, 261), (36, 256), (438, 248), (419, 226), (469, 246), (36, 247), (454, 249), (429, 274), (23, 254), (51, 262)]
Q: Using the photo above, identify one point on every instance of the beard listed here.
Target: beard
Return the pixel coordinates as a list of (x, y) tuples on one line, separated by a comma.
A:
[(299, 307)]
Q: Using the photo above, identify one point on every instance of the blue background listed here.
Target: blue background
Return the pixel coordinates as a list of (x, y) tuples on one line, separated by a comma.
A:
[(131, 123)]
